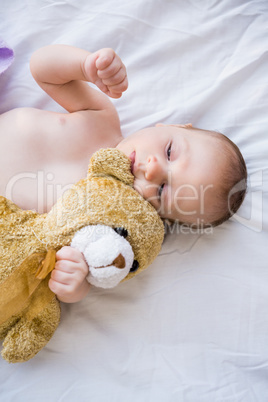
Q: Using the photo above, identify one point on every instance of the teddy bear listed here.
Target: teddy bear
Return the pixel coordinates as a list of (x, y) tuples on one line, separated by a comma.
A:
[(119, 233)]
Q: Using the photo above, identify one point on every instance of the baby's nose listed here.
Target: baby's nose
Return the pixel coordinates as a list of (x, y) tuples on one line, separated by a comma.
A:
[(153, 169)]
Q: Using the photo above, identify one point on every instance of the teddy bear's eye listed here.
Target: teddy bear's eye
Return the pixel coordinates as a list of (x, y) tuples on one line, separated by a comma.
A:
[(135, 266), (121, 231)]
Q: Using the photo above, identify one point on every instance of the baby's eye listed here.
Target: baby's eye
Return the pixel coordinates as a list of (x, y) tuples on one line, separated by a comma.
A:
[(160, 190), (169, 151)]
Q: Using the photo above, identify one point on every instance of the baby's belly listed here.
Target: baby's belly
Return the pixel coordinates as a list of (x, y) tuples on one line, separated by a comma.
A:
[(39, 189)]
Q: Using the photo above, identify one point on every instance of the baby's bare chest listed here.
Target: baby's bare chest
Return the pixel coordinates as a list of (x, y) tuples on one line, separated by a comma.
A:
[(42, 154), (34, 174), (33, 184)]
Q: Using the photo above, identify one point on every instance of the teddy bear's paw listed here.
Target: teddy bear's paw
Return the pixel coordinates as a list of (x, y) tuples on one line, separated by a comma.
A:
[(5, 328), (27, 338)]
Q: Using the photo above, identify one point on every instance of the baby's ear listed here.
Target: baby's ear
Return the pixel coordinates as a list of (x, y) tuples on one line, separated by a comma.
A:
[(188, 125)]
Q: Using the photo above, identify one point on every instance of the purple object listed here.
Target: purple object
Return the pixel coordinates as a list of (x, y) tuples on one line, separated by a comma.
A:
[(6, 56)]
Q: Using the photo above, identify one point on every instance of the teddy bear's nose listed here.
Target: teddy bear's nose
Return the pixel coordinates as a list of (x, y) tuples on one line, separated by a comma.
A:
[(121, 231)]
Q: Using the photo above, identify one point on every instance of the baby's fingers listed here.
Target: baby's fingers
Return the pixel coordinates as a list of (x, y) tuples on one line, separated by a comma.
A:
[(115, 79), (61, 277), (112, 69), (115, 91), (70, 254), (111, 73), (105, 57)]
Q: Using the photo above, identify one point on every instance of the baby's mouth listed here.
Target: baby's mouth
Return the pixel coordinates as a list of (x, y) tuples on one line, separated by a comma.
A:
[(132, 158)]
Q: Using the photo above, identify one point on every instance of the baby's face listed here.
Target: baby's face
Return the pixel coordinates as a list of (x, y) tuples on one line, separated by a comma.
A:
[(176, 169)]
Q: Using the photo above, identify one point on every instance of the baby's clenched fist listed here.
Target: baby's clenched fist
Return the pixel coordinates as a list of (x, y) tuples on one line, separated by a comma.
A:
[(68, 279), (105, 69)]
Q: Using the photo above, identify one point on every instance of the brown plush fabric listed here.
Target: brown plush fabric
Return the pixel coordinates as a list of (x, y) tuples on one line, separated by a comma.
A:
[(29, 311)]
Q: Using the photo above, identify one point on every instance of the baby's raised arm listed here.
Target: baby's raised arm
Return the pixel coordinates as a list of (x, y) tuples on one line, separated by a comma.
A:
[(63, 72)]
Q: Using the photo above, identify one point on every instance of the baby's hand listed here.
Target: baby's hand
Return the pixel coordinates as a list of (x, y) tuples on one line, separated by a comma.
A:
[(68, 279), (105, 69)]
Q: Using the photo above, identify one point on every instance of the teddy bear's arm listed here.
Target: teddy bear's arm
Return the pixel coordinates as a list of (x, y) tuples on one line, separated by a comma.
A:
[(108, 255)]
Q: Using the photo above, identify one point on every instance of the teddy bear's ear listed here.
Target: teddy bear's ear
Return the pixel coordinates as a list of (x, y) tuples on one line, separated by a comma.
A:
[(111, 162)]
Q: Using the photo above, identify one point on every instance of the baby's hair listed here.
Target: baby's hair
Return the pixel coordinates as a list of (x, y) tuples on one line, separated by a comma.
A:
[(233, 185)]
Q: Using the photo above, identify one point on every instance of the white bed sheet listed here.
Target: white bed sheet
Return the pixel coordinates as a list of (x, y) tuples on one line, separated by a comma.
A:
[(193, 327)]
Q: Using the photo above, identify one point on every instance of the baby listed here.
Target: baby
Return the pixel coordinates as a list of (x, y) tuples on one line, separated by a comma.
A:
[(192, 176)]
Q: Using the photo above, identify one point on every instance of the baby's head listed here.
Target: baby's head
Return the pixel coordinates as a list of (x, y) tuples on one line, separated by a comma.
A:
[(189, 175)]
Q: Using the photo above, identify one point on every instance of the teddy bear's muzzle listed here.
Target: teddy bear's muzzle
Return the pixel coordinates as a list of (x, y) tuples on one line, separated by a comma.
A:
[(118, 262)]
